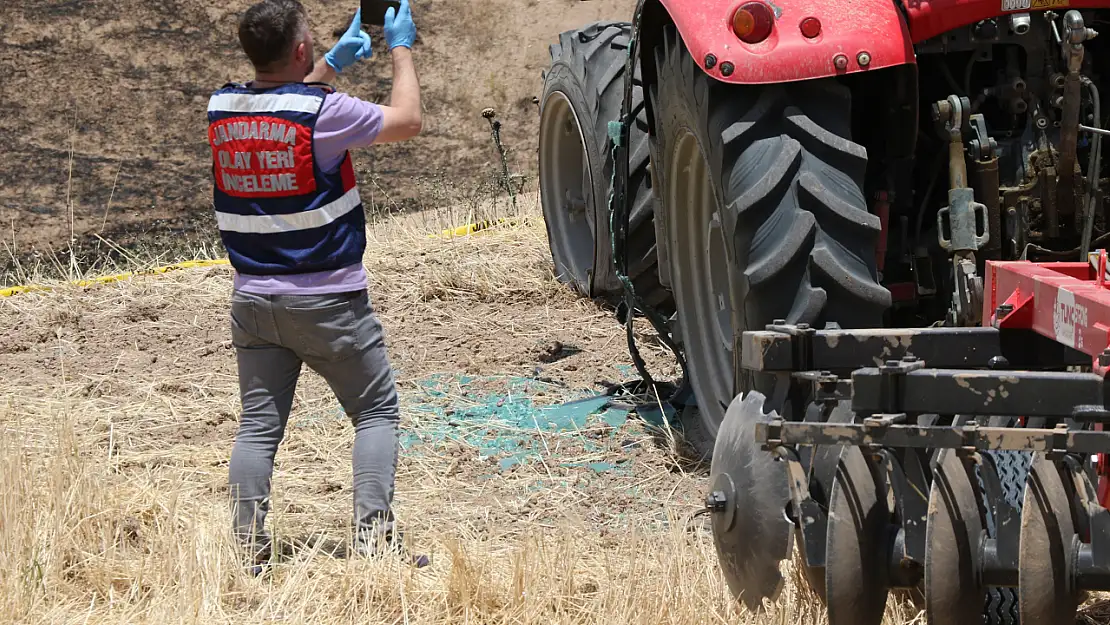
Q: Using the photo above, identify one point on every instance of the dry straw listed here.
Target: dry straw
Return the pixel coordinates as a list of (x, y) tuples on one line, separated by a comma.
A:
[(117, 408)]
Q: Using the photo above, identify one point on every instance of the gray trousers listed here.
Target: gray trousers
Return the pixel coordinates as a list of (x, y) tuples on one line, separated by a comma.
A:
[(339, 337)]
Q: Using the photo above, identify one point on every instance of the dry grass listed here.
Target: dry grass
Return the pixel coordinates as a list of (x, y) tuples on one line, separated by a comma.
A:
[(117, 410)]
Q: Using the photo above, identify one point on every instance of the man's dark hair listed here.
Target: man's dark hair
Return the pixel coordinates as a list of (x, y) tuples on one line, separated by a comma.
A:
[(268, 29)]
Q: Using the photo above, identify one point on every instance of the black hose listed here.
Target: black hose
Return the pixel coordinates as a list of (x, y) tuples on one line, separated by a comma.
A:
[(968, 71), (947, 72), (938, 168), (620, 211), (1103, 238), (1094, 170)]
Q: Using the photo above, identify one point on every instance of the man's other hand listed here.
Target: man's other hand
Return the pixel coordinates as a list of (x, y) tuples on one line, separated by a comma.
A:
[(353, 46), (400, 31)]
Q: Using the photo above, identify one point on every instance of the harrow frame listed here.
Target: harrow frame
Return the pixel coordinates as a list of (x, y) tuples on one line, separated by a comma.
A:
[(1041, 356)]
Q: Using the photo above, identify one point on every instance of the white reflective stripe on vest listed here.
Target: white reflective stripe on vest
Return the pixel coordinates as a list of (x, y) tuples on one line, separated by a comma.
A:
[(263, 103), (292, 222)]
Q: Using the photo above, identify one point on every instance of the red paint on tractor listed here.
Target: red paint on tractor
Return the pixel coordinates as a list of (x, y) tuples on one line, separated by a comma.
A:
[(929, 18), (902, 291), (873, 30)]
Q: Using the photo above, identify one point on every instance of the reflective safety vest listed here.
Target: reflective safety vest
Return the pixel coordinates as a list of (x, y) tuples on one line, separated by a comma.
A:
[(277, 211)]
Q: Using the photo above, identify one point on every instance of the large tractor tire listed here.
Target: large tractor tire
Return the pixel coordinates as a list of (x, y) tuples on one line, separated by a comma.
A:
[(761, 189), (583, 91)]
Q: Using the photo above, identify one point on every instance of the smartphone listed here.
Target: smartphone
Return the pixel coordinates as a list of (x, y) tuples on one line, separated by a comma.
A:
[(373, 11)]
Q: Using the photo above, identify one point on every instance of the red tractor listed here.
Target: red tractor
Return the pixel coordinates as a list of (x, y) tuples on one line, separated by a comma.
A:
[(871, 232)]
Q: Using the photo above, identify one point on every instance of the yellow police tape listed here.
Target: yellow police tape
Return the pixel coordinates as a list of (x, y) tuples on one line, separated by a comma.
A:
[(460, 231), (476, 227), (189, 264)]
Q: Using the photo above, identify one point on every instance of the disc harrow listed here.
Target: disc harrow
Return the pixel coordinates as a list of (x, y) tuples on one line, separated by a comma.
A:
[(929, 435)]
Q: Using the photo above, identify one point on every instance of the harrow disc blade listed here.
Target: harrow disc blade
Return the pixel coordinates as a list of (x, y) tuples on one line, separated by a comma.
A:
[(752, 533), (953, 594), (820, 462), (1046, 588), (856, 548)]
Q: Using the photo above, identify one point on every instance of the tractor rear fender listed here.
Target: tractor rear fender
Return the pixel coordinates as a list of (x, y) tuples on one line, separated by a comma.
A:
[(870, 34)]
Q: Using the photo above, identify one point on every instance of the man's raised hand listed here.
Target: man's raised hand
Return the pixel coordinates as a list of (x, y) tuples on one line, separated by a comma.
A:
[(400, 31), (353, 46)]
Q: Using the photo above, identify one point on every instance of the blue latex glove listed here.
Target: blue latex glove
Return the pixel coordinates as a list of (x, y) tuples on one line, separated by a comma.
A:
[(353, 46), (400, 32)]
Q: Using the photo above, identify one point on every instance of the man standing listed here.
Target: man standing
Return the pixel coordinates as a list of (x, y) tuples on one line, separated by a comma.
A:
[(289, 214)]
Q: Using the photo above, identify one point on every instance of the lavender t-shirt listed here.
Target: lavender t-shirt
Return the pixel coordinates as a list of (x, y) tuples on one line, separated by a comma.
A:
[(344, 123)]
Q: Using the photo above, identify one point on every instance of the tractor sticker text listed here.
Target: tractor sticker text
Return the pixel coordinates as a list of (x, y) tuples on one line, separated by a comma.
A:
[(1068, 316), (262, 157), (1033, 5)]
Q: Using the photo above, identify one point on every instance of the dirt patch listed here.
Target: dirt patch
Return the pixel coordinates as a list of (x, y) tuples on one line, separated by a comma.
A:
[(476, 305)]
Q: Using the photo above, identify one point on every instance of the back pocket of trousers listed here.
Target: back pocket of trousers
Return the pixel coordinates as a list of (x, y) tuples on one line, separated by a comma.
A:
[(325, 326), (244, 324)]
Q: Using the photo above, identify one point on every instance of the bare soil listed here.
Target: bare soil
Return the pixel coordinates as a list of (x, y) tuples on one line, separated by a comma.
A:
[(449, 306), (102, 114)]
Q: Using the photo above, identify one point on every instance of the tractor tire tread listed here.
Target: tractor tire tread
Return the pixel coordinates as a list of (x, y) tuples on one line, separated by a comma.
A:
[(597, 53), (1001, 604), (793, 182), (798, 234)]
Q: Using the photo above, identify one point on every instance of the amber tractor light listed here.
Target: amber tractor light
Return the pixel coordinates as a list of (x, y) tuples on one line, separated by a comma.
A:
[(753, 22)]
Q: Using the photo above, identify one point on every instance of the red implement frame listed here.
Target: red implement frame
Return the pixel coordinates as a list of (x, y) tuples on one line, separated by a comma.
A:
[(1067, 302)]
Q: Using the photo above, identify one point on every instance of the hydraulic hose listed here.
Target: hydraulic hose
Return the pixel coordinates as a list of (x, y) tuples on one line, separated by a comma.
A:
[(1094, 169), (620, 211), (934, 176)]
